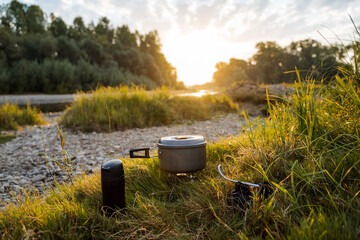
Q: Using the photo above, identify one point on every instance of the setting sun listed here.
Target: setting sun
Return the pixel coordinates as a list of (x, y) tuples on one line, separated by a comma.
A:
[(195, 54)]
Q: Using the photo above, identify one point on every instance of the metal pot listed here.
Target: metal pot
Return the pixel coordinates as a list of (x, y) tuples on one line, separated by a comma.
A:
[(178, 154)]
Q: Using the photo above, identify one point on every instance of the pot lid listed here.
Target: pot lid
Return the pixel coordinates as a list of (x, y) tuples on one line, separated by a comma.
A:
[(182, 141)]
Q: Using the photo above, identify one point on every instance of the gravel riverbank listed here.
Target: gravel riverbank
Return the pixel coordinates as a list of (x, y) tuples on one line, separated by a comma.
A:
[(22, 161)]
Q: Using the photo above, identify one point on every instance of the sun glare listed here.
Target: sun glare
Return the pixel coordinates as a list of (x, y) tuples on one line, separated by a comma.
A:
[(195, 55)]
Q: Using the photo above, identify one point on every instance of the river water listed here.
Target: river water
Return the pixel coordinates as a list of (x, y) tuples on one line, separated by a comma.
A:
[(35, 99), (199, 93)]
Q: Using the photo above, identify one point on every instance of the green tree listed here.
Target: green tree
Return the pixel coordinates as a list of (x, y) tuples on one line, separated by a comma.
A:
[(162, 72), (103, 30), (47, 47), (57, 26), (125, 37), (68, 49), (9, 46), (94, 51), (316, 59), (4, 80), (30, 77), (150, 43), (269, 62), (151, 69), (36, 55), (15, 17), (226, 74), (35, 21), (78, 30), (129, 59)]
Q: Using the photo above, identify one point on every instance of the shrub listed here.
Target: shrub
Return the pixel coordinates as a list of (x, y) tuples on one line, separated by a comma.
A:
[(247, 91), (4, 80), (12, 117), (308, 150), (129, 108)]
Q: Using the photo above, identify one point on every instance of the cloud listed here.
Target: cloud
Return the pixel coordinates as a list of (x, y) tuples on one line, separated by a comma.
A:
[(230, 28), (257, 20), (234, 20)]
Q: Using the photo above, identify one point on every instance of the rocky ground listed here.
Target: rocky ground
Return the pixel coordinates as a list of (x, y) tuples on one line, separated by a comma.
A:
[(22, 160)]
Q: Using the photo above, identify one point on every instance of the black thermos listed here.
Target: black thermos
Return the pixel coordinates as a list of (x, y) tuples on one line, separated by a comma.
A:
[(113, 185)]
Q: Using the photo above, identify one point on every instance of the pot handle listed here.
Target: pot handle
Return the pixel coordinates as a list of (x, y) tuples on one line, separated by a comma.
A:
[(134, 150)]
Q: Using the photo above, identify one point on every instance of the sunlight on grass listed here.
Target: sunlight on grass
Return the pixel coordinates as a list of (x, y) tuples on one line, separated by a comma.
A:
[(12, 117), (305, 149), (6, 138), (124, 107)]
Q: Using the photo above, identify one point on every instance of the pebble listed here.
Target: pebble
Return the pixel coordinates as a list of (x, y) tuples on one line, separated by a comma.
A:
[(23, 164), (38, 178)]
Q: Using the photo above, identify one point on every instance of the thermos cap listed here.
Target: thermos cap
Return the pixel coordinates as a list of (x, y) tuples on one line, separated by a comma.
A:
[(113, 168)]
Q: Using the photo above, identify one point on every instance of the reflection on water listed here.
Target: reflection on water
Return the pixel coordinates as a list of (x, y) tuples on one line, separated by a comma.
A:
[(199, 93)]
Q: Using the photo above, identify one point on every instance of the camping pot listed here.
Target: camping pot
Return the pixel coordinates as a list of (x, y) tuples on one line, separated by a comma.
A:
[(178, 154)]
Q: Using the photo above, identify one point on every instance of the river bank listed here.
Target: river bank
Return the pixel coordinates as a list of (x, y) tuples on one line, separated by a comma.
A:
[(59, 102), (22, 160)]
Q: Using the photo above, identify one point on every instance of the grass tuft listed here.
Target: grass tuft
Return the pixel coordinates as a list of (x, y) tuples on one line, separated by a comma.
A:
[(307, 149), (12, 117), (121, 108), (6, 138)]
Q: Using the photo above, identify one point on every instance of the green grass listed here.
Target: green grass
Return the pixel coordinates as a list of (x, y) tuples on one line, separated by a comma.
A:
[(6, 138), (12, 117), (122, 108), (308, 149)]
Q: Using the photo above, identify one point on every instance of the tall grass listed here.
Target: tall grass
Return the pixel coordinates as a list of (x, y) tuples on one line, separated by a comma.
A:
[(6, 138), (12, 117), (130, 108), (308, 150)]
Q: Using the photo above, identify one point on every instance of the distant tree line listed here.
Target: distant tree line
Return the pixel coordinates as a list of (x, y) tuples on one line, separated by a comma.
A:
[(44, 54), (275, 64)]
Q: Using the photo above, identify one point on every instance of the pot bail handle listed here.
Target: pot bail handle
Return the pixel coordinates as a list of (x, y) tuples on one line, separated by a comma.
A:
[(134, 150)]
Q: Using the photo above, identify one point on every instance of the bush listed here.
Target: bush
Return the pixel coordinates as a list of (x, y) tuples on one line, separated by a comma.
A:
[(4, 80), (308, 150), (12, 117), (30, 77), (247, 91), (123, 108)]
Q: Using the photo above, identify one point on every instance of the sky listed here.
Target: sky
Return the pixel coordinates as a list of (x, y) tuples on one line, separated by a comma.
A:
[(197, 34)]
